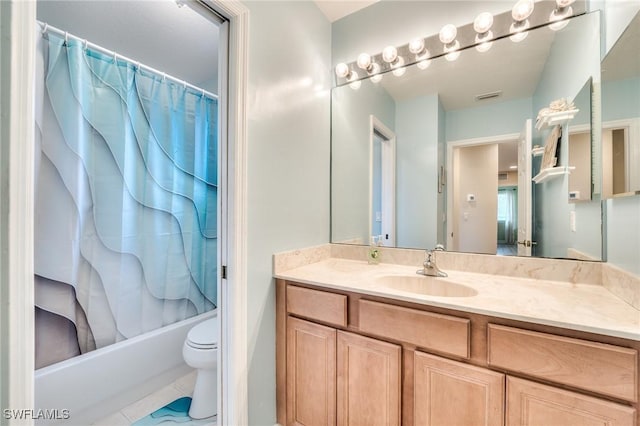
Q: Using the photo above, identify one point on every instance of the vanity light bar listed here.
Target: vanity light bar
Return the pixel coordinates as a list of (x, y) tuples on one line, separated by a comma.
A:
[(397, 58)]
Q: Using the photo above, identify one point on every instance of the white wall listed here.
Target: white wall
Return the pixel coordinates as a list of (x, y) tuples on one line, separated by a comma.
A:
[(288, 166)]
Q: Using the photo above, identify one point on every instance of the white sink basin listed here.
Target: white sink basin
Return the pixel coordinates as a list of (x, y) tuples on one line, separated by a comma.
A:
[(429, 286)]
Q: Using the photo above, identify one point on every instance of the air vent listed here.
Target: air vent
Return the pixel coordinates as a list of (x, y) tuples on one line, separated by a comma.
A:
[(489, 95), (502, 176)]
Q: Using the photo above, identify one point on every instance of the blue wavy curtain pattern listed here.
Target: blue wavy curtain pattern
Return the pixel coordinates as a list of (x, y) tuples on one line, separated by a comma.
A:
[(126, 200)]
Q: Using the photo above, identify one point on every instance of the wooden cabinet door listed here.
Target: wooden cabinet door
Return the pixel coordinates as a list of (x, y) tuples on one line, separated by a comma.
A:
[(311, 373), (532, 404), (455, 394), (368, 381)]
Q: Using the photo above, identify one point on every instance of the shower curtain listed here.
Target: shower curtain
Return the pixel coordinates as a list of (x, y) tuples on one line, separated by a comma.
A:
[(126, 200)]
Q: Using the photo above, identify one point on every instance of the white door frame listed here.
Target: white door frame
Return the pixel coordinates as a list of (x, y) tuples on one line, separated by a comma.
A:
[(461, 143), (17, 123), (17, 68), (388, 154)]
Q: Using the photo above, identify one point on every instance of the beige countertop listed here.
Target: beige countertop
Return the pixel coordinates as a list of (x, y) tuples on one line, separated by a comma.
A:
[(585, 307)]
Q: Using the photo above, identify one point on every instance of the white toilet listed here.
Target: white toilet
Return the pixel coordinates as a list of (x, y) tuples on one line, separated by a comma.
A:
[(200, 351)]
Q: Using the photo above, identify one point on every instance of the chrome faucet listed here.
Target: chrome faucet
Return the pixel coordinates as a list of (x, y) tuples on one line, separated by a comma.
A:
[(430, 269)]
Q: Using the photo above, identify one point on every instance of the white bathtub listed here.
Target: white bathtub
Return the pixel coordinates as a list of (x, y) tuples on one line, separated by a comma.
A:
[(101, 382)]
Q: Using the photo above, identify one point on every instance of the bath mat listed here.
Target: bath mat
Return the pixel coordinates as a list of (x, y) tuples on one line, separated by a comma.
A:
[(175, 412)]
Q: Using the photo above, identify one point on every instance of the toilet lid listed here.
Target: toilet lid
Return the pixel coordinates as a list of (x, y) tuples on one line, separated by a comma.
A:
[(204, 334)]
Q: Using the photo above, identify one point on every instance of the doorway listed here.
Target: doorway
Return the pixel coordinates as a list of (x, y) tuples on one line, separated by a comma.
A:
[(480, 170), (142, 175), (17, 342), (382, 202)]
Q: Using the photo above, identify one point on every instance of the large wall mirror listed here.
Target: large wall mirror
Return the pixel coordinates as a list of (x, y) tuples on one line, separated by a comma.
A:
[(621, 115), (457, 149)]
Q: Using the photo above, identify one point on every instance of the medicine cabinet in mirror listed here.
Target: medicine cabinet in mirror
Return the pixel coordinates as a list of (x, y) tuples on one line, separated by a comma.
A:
[(468, 149), (621, 115)]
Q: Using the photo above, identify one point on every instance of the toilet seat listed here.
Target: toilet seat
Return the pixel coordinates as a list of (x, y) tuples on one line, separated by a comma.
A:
[(204, 335)]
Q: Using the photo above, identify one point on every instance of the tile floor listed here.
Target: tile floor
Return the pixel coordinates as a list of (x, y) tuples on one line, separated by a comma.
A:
[(142, 408)]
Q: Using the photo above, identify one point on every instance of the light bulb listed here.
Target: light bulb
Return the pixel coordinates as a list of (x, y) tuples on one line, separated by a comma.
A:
[(558, 17), (484, 37), (424, 64), (448, 33), (364, 61), (376, 78), (342, 70), (399, 72), (398, 68), (483, 22), (353, 78), (452, 52), (452, 56), (522, 10), (423, 56), (484, 47), (519, 31), (374, 69), (564, 3), (389, 54), (416, 46)]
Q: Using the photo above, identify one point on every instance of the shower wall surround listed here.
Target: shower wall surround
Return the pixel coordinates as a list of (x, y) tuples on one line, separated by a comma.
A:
[(126, 200)]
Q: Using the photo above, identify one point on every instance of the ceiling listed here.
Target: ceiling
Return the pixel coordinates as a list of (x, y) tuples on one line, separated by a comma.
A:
[(337, 9), (152, 32)]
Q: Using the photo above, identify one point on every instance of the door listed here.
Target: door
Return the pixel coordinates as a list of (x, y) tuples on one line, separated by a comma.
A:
[(311, 373), (530, 403), (368, 381), (452, 393), (524, 191)]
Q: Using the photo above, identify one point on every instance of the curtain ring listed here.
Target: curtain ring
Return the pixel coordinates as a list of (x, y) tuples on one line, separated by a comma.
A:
[(164, 76), (66, 37), (45, 27), (85, 44)]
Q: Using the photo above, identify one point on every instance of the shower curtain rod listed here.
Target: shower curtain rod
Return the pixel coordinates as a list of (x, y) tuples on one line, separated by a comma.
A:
[(48, 28)]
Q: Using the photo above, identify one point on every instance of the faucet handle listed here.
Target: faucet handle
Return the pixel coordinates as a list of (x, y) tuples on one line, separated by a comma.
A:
[(439, 247)]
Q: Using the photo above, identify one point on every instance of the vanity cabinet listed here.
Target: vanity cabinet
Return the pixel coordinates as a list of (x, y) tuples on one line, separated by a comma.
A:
[(311, 373), (368, 381), (453, 393), (530, 404), (340, 376), (345, 358)]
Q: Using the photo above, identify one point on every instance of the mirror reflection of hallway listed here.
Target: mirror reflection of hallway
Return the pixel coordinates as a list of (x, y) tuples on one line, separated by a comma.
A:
[(475, 185), (484, 192)]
